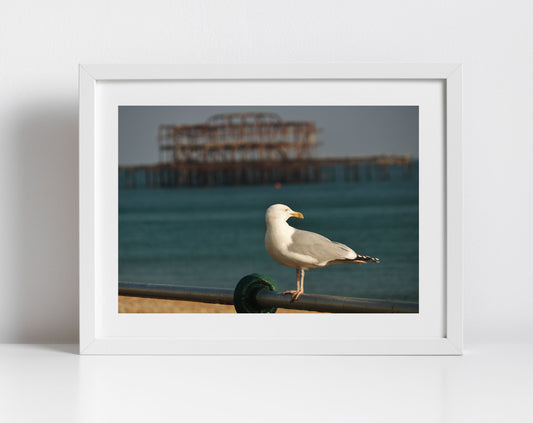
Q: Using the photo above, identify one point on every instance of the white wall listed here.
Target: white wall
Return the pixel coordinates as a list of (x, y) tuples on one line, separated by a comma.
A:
[(41, 44)]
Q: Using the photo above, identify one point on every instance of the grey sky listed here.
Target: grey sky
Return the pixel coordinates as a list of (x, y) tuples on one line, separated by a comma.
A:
[(346, 130)]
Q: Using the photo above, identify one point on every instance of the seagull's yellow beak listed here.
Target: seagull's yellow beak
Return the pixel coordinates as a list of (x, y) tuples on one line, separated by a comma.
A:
[(297, 214)]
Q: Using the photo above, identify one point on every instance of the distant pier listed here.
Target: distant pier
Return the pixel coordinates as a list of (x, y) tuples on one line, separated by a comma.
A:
[(252, 149), (167, 175)]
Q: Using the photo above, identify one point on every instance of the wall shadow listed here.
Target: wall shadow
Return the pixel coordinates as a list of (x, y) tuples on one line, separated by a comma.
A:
[(45, 294)]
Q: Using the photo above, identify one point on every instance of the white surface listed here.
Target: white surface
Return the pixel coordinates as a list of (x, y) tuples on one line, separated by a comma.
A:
[(490, 383), (435, 330)]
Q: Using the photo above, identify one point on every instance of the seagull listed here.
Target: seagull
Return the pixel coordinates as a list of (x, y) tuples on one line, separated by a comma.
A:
[(303, 250)]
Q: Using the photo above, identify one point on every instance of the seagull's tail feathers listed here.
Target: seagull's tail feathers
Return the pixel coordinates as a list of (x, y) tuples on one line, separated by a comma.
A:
[(367, 258), (359, 259)]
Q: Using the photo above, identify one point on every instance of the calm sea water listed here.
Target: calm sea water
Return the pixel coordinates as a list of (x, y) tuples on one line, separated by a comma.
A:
[(215, 236)]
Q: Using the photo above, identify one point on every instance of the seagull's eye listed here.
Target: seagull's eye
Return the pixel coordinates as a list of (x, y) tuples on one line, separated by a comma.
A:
[(286, 209)]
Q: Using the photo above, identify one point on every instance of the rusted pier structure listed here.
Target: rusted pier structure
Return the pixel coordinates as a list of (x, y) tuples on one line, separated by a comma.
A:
[(265, 172), (252, 149), (237, 137)]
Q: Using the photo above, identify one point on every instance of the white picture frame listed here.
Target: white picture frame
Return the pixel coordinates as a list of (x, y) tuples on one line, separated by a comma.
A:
[(436, 329)]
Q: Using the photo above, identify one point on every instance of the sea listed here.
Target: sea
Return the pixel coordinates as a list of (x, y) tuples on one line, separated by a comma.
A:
[(212, 237)]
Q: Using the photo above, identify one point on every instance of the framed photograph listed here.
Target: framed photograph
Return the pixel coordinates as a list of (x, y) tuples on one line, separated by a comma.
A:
[(262, 209)]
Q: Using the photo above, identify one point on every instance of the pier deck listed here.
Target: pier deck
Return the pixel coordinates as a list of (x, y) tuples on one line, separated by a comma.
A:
[(262, 172)]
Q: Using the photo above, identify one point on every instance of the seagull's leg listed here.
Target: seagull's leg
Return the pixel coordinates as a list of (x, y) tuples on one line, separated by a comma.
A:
[(300, 289), (294, 293)]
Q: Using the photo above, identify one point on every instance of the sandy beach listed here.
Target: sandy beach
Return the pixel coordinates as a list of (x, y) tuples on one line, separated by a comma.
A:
[(153, 305)]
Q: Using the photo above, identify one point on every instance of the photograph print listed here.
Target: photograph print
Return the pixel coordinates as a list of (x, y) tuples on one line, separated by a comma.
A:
[(268, 209)]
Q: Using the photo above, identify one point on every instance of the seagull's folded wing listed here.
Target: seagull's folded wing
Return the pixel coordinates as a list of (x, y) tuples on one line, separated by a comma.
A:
[(319, 247)]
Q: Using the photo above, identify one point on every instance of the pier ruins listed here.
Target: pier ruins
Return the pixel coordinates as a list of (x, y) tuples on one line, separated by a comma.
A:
[(252, 149)]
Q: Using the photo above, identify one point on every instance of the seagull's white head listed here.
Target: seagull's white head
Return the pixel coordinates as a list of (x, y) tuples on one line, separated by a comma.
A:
[(281, 212)]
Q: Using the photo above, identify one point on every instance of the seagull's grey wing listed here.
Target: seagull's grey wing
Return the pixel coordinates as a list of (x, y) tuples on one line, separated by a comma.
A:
[(319, 247)]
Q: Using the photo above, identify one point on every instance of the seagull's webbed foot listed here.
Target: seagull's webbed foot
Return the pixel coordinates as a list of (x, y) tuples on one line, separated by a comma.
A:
[(295, 294)]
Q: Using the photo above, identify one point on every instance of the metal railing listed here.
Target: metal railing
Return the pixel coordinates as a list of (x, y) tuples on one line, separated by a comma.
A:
[(258, 294)]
